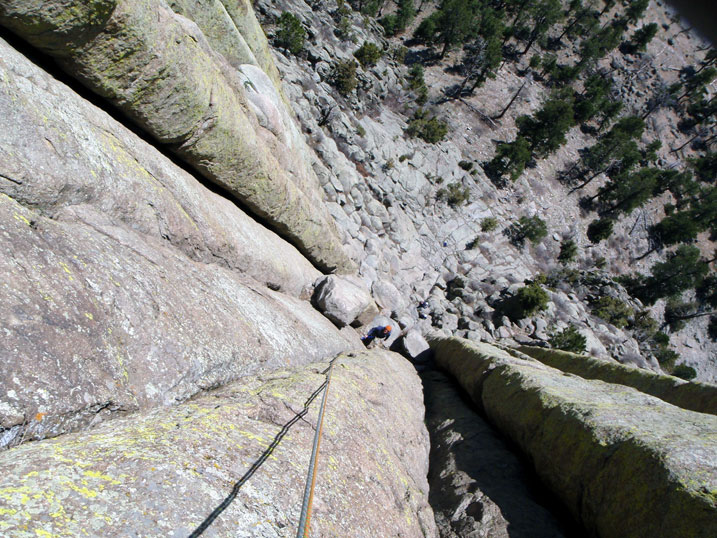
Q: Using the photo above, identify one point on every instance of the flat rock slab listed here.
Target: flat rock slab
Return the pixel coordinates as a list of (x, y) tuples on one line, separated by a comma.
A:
[(161, 473), (625, 463), (102, 318)]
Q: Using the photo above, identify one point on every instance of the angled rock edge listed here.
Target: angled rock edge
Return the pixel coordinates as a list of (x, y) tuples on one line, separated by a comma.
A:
[(691, 395), (625, 463), (158, 68), (162, 472), (72, 161), (102, 319)]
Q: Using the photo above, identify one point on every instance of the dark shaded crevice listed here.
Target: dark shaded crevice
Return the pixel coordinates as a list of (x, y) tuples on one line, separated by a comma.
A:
[(480, 480), (51, 66), (43, 426)]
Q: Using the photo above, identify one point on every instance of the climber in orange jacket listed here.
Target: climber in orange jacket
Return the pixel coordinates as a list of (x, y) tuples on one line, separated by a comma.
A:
[(377, 332)]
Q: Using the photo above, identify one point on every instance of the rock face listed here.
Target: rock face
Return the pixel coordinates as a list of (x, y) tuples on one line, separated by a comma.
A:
[(625, 463), (123, 180), (694, 396), (117, 479), (159, 69), (131, 282), (101, 317)]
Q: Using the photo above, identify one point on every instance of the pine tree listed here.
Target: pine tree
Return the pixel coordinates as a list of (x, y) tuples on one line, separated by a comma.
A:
[(545, 131), (639, 40), (684, 269), (544, 14)]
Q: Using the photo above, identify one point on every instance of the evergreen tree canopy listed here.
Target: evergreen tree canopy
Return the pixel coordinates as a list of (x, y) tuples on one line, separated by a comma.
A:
[(684, 269), (545, 131)]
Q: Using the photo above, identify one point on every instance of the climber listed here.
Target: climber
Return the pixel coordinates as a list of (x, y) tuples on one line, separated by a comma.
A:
[(377, 332)]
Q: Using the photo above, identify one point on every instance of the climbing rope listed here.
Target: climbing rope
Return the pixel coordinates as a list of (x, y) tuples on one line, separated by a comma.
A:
[(265, 456), (305, 520)]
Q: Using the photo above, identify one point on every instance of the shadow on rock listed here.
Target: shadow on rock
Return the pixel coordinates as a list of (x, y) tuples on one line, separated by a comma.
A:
[(478, 485)]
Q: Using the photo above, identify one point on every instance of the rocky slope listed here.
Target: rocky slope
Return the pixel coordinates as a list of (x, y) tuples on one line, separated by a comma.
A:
[(383, 185)]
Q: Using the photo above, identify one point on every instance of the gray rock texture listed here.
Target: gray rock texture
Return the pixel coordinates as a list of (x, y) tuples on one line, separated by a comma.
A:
[(341, 299), (101, 317), (118, 479), (159, 69), (625, 463), (65, 155)]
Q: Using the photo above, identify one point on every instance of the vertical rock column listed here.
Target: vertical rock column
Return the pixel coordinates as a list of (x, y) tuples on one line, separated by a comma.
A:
[(159, 70)]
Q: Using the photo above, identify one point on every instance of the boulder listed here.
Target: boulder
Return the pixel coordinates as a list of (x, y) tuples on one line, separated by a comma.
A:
[(178, 89), (341, 299), (414, 346), (625, 463), (387, 296), (164, 471)]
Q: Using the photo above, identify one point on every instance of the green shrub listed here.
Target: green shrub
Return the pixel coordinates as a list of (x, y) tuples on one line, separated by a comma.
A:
[(666, 357), (569, 339), (685, 372), (531, 298), (291, 33), (427, 128), (417, 84), (599, 229), (613, 311), (390, 24), (532, 228), (466, 165), (343, 76), (344, 26), (399, 54), (454, 194), (488, 224), (568, 251), (368, 54)]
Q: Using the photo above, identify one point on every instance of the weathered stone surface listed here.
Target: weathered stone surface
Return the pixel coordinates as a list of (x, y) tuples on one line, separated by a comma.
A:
[(625, 463), (159, 69), (414, 345), (694, 396), (479, 487), (341, 299), (162, 472), (387, 296), (121, 180), (98, 316)]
